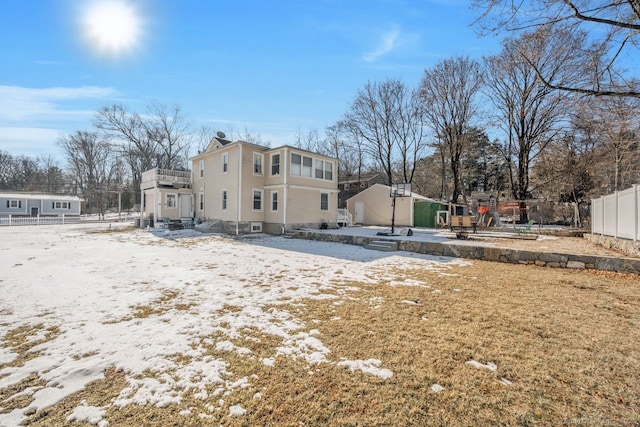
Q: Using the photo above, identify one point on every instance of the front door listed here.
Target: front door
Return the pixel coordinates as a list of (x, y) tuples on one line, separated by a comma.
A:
[(359, 212), (34, 211), (186, 206)]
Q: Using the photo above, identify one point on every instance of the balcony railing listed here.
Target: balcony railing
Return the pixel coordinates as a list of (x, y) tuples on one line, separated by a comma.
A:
[(167, 177)]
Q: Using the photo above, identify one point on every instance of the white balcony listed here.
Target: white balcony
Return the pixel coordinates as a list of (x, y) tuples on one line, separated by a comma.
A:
[(166, 177)]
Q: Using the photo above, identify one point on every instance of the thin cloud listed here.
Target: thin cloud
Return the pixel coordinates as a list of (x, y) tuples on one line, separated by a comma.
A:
[(388, 42), (21, 103)]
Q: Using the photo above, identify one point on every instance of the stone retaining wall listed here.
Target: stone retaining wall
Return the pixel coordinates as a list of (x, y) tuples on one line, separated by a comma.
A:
[(487, 253), (629, 247)]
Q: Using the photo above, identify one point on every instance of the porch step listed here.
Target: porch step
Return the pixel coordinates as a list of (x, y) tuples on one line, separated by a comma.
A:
[(382, 245)]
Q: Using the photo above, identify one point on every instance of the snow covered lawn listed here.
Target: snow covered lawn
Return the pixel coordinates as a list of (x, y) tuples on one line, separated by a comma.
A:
[(91, 299), (126, 327)]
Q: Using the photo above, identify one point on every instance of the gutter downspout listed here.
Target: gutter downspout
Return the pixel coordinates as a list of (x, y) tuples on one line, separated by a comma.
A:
[(239, 214), (286, 188)]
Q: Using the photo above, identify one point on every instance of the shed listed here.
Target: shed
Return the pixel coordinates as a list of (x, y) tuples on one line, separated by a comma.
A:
[(374, 206)]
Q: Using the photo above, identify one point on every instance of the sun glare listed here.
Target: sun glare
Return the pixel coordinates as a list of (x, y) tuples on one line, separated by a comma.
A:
[(111, 28)]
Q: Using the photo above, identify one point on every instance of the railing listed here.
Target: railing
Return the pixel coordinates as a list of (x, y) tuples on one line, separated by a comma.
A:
[(618, 214), (344, 217), (167, 176), (11, 220)]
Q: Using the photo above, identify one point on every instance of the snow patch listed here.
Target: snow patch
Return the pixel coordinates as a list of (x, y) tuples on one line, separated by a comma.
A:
[(437, 388), (369, 366), (91, 414), (490, 366), (236, 411)]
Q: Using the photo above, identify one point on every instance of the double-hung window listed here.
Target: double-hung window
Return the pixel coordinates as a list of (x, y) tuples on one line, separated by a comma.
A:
[(274, 201), (328, 171), (171, 201), (307, 166), (296, 164), (257, 200), (319, 169), (324, 201), (275, 164), (225, 162), (14, 204), (257, 163), (224, 200)]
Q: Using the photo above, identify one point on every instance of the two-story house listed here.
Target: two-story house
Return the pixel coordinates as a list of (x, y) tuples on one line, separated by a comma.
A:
[(245, 188)]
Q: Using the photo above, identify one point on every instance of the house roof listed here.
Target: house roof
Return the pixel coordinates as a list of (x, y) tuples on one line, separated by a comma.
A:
[(224, 143), (348, 179), (376, 187), (39, 196)]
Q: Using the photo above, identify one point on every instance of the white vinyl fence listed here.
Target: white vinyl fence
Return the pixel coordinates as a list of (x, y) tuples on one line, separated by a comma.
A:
[(38, 220), (618, 214)]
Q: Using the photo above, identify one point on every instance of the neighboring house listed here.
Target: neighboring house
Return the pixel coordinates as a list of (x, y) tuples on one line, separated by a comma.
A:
[(24, 204), (374, 206), (247, 188), (350, 185), (166, 194)]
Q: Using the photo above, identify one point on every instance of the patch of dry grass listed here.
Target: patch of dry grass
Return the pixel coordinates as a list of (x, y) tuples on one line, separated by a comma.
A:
[(567, 341), (161, 305), (23, 339)]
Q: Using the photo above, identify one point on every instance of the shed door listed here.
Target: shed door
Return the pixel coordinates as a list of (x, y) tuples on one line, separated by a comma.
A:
[(359, 213)]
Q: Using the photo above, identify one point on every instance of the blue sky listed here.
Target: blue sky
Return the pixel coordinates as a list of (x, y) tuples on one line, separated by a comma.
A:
[(268, 67)]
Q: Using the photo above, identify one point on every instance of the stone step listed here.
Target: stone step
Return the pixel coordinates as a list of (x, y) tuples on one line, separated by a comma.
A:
[(382, 245)]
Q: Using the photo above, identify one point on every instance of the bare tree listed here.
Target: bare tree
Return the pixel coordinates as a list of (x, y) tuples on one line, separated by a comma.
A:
[(387, 120), (349, 151), (618, 122), (90, 161), (159, 139), (53, 178), (448, 92), (167, 128), (613, 27), (528, 110), (309, 140)]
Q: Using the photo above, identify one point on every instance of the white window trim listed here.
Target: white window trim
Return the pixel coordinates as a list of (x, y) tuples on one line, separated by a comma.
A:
[(299, 166), (277, 202), (253, 209), (325, 170), (224, 192), (166, 200), (201, 201), (256, 227), (271, 164), (315, 168), (261, 157), (225, 162), (328, 202), (18, 204), (201, 168), (326, 164), (308, 169)]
